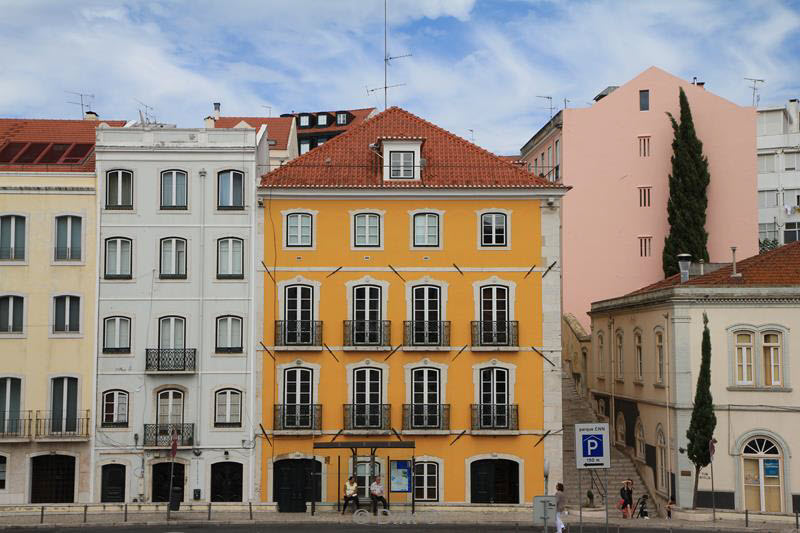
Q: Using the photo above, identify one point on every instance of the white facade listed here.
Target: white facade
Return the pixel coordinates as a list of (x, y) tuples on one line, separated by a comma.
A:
[(176, 261), (779, 173)]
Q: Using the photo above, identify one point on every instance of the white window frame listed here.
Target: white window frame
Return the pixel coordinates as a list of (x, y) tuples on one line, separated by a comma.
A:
[(322, 120), (231, 172), (341, 119), (479, 228), (662, 472), (230, 327), (304, 121), (14, 217), (68, 303), (411, 229), (425, 475), (11, 299), (658, 338), (285, 233), (426, 219), (741, 350), (775, 350), (119, 243), (641, 442), (401, 164), (119, 206), (117, 320), (494, 363), (70, 218), (304, 146), (353, 214), (230, 265), (172, 174), (393, 145), (174, 271), (601, 370), (173, 322), (619, 352), (119, 418), (638, 355), (228, 418), (620, 428), (173, 395)]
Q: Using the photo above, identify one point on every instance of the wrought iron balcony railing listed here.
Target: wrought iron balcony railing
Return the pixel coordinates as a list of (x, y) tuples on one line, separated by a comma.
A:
[(373, 416), (426, 333), (12, 253), (298, 417), (62, 424), (15, 424), (160, 435), (367, 333), (495, 416), (298, 333), (426, 416), (67, 253), (171, 359), (497, 333)]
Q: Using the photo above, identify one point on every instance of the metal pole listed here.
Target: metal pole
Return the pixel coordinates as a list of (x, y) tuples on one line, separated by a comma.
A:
[(85, 508), (209, 510), (413, 489), (169, 493), (369, 481), (606, 498), (580, 505), (746, 518), (41, 517), (389, 482), (250, 504), (713, 499), (313, 493), (126, 513), (338, 483)]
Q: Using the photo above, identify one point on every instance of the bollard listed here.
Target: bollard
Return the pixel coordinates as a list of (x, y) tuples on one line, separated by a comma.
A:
[(209, 510), (41, 518), (251, 510), (126, 513), (796, 521), (746, 518), (85, 508)]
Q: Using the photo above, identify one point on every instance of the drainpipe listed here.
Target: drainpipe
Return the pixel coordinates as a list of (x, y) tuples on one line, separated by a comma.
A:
[(93, 416), (201, 348), (669, 415), (250, 361), (612, 414)]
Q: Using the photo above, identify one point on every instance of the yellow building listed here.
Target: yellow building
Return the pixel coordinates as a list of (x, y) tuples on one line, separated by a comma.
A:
[(47, 309), (412, 294)]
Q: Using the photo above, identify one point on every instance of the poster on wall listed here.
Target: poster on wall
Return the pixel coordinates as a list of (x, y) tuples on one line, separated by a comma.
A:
[(400, 473), (771, 468)]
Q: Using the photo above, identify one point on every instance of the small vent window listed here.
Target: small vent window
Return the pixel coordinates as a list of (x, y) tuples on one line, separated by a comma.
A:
[(644, 196), (645, 246), (644, 146)]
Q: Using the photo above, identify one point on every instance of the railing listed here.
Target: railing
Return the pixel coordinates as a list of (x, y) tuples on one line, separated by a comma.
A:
[(426, 333), (67, 253), (298, 333), (494, 416), (57, 424), (367, 333), (297, 417), (15, 253), (15, 425), (597, 484), (170, 359), (498, 333), (367, 416), (160, 435), (426, 416)]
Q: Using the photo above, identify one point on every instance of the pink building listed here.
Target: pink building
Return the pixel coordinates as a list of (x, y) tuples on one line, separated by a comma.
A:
[(616, 157)]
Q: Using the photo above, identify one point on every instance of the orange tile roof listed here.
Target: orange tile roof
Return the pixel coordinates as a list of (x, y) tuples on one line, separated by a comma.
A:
[(48, 131), (278, 128), (359, 116), (450, 161)]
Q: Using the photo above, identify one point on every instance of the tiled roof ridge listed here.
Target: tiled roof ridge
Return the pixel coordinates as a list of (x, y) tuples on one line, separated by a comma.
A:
[(80, 120), (334, 111)]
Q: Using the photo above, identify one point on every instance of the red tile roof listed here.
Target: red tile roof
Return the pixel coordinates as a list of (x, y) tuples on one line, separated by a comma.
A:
[(278, 128), (450, 161), (47, 131), (359, 116)]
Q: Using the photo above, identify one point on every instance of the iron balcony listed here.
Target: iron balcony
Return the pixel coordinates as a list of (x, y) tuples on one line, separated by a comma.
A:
[(54, 425), (16, 425), (298, 333), (171, 360), (297, 417), (367, 416), (426, 333), (66, 253), (495, 333), (422, 416), (489, 416), (160, 435), (367, 333)]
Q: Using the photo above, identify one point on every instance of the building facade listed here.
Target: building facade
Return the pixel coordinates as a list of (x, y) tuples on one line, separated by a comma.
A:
[(177, 332), (316, 128), (616, 154), (412, 294)]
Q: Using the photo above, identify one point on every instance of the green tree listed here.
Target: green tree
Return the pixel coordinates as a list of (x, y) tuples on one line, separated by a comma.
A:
[(701, 427), (688, 181)]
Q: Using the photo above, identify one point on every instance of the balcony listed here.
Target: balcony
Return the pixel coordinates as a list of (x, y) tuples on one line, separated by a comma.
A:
[(160, 435), (367, 417), (299, 335), (426, 334), (66, 253), (16, 426), (60, 425), (298, 417), (495, 336), (426, 417), (15, 253), (494, 417), (367, 335), (171, 360)]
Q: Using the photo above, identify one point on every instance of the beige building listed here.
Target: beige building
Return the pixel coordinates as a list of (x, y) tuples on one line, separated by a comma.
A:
[(645, 362), (47, 308)]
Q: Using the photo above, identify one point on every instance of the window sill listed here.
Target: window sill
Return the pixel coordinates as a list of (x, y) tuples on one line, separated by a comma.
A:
[(298, 348), (367, 432), (111, 277), (228, 425), (172, 276), (659, 385), (119, 208), (638, 382), (13, 262), (296, 432), (68, 262), (12, 334), (748, 388), (600, 378), (230, 208), (121, 425), (174, 208), (229, 277), (494, 348), (427, 348), (619, 380), (66, 335), (367, 348), (221, 350), (425, 432), (494, 432), (116, 350)]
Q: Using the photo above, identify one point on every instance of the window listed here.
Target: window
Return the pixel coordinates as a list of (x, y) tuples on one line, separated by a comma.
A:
[(119, 189), (11, 314), (298, 230), (363, 477), (367, 230), (231, 190), (641, 444), (173, 258), (341, 119), (171, 333), (230, 261), (558, 161), (67, 314), (12, 238), (766, 163), (321, 141), (494, 398), (298, 324), (11, 418), (426, 229), (367, 398), (426, 481), (536, 165), (550, 162), (305, 146), (68, 238), (322, 119), (791, 161), (662, 472), (645, 246), (644, 100), (426, 328), (768, 231), (64, 406), (117, 335), (644, 146), (659, 357), (744, 358), (620, 429), (791, 232), (495, 328), (601, 367), (229, 334), (305, 121), (770, 122), (637, 348), (297, 398), (771, 346), (3, 466), (228, 408), (425, 399), (170, 408), (115, 409), (620, 360), (493, 230), (367, 325), (644, 196), (763, 480), (767, 198), (401, 165), (118, 258), (173, 189)]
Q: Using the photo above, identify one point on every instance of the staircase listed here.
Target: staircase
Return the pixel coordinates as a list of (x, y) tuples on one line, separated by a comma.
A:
[(576, 410)]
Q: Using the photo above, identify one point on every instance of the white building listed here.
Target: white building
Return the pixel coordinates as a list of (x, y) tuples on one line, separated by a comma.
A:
[(178, 313), (779, 173)]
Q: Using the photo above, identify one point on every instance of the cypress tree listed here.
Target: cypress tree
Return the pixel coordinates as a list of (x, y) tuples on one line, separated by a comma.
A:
[(688, 181), (701, 427)]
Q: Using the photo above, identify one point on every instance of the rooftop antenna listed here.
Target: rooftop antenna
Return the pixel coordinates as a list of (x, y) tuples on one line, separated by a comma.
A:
[(149, 115), (84, 101), (387, 58), (550, 101), (269, 109), (566, 101), (471, 135), (756, 96)]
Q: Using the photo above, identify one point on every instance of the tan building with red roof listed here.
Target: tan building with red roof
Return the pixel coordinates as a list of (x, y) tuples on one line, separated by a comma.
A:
[(645, 358)]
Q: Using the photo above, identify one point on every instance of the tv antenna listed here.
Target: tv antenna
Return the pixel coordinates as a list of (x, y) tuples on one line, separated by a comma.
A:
[(146, 113), (84, 101), (566, 101), (550, 102), (756, 96), (471, 135), (387, 58), (269, 109)]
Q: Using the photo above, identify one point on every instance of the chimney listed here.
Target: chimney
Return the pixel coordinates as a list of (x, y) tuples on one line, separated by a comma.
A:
[(702, 267), (684, 262), (734, 274), (90, 115), (216, 110), (209, 122)]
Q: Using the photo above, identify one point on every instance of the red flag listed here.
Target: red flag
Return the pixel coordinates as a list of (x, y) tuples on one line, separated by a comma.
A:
[(174, 451)]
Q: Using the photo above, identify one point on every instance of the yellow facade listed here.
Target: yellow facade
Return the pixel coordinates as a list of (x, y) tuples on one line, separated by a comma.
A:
[(458, 266)]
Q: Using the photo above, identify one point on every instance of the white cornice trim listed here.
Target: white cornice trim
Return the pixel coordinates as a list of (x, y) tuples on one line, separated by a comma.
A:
[(390, 193)]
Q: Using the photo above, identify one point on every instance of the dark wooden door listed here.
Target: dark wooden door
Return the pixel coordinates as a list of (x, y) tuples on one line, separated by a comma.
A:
[(494, 481), (161, 481), (53, 479), (113, 484), (226, 482), (295, 483)]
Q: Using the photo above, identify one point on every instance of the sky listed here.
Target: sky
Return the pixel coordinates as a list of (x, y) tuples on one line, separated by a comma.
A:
[(477, 67)]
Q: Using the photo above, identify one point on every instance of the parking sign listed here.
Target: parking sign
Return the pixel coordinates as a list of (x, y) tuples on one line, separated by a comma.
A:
[(591, 446)]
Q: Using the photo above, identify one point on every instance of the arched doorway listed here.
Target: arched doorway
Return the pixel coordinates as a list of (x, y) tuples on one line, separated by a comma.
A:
[(494, 481), (226, 482), (53, 479), (112, 488), (762, 464), (161, 473), (294, 483)]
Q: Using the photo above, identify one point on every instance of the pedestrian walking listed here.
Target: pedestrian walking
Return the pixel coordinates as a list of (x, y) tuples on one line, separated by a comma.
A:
[(350, 493), (561, 502), (376, 492)]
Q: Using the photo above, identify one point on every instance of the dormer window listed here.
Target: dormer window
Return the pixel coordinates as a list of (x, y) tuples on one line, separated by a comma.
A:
[(305, 121), (322, 119), (402, 159), (402, 165), (341, 119)]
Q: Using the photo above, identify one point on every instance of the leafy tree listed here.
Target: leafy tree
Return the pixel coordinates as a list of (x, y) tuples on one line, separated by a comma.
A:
[(701, 427), (688, 181)]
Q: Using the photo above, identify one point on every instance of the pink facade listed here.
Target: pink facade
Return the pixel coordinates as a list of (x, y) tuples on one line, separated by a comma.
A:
[(607, 162)]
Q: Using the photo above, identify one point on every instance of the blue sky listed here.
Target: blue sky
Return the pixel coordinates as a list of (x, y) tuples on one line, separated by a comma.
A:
[(475, 64)]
